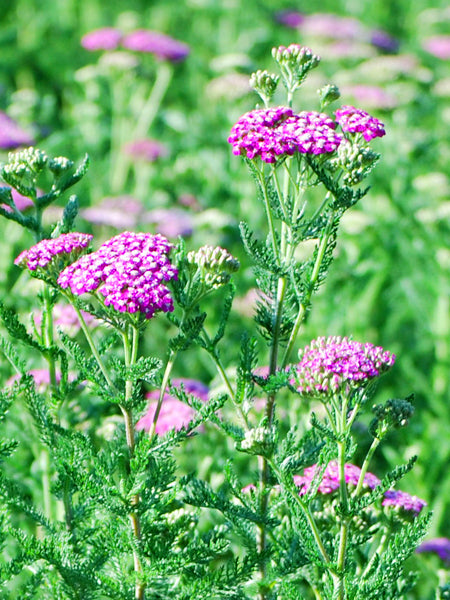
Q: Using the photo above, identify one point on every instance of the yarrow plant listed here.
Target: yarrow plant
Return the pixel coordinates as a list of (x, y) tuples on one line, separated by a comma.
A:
[(291, 510)]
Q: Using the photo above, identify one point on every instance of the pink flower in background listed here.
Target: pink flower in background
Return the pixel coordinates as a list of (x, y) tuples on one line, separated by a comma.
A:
[(170, 222), (438, 45), (162, 46), (105, 38), (330, 478), (331, 482), (22, 202), (11, 134), (174, 414), (146, 149), (120, 212), (65, 317), (331, 26), (41, 378), (372, 96)]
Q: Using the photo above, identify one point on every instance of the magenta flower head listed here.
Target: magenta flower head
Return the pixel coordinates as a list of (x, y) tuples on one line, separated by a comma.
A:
[(274, 133), (127, 273), (355, 120), (439, 546), (403, 502), (11, 135), (337, 365), (162, 46), (174, 414), (106, 38), (49, 257)]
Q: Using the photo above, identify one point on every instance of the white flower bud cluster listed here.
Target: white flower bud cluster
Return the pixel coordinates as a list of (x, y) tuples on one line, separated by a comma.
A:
[(357, 161), (59, 165), (259, 440), (28, 159), (265, 84), (215, 265)]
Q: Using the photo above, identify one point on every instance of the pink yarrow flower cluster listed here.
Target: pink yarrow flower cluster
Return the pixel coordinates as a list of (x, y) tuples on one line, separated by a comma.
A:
[(48, 253), (330, 479), (174, 414), (356, 120), (273, 133), (330, 483), (128, 271), (334, 364)]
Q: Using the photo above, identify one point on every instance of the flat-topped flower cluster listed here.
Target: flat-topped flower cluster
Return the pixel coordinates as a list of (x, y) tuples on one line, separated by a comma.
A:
[(338, 364), (65, 247), (128, 271), (274, 133)]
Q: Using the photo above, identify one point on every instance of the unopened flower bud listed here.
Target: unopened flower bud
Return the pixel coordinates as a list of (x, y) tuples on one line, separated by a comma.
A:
[(328, 94), (31, 158), (393, 414), (59, 165), (260, 440), (265, 84), (214, 264)]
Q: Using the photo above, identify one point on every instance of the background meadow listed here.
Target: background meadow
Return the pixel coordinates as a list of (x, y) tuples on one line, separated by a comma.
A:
[(156, 134)]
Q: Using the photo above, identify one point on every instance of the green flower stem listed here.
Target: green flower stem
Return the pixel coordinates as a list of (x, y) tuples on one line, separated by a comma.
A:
[(119, 128), (150, 109), (312, 282), (343, 492), (305, 510), (130, 353), (48, 338), (162, 391), (94, 350), (377, 553), (269, 215), (365, 466)]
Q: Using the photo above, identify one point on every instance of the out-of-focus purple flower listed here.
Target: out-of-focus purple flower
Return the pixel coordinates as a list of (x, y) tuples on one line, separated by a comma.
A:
[(41, 378), (290, 18), (438, 45), (330, 483), (174, 414), (404, 501), (331, 26), (372, 96), (120, 212), (106, 38), (439, 546), (272, 133), (330, 479), (334, 364), (189, 201), (382, 40), (54, 253), (146, 149), (162, 46), (11, 135), (65, 317), (355, 120), (170, 222), (128, 271), (22, 202)]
